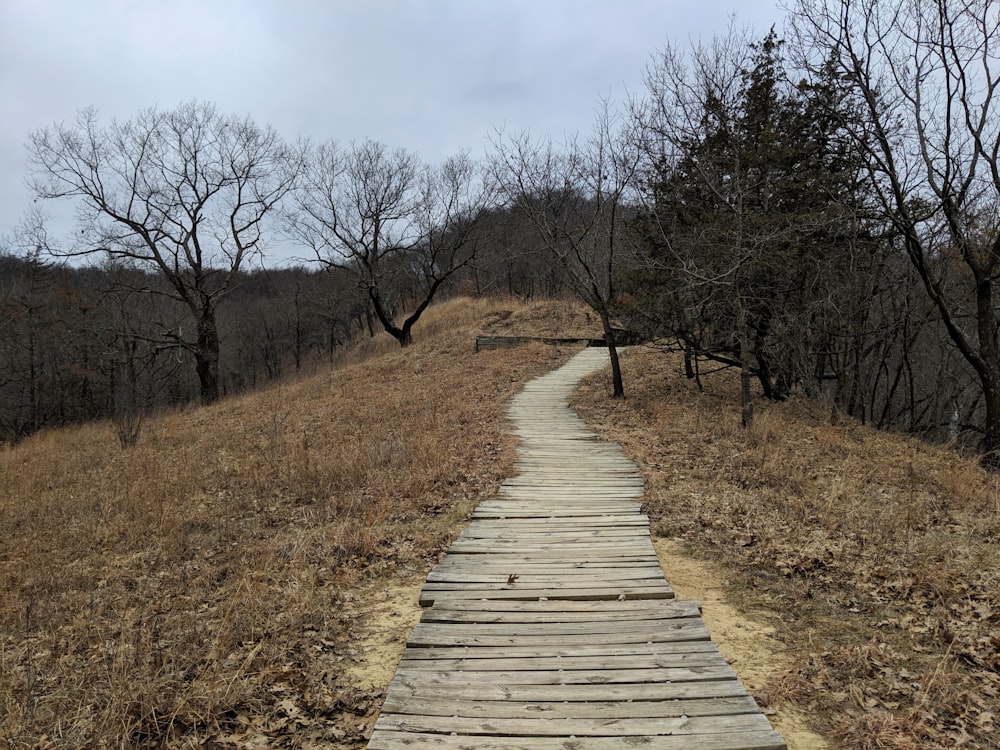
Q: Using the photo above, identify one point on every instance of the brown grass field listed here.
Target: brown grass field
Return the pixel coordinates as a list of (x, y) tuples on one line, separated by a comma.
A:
[(242, 577)]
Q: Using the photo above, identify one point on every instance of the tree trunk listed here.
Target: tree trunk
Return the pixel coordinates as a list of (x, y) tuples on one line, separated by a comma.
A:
[(206, 355), (403, 336), (991, 436), (688, 363), (618, 387), (369, 322), (989, 370), (746, 372)]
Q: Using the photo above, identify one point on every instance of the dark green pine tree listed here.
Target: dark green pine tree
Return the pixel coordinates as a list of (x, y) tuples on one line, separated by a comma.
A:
[(745, 239)]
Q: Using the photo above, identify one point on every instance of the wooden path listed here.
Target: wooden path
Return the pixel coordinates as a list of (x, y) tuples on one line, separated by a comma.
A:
[(549, 624)]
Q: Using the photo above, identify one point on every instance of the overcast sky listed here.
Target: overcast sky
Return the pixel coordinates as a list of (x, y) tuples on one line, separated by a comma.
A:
[(434, 76)]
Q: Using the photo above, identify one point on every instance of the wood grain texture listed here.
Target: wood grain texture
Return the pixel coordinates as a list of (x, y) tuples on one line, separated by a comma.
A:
[(549, 623)]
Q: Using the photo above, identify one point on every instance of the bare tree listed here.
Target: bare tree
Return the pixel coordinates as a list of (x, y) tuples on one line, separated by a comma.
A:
[(577, 199), (402, 228), (928, 74), (184, 192)]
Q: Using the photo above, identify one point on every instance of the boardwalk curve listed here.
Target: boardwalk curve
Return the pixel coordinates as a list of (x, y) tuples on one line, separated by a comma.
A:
[(549, 624)]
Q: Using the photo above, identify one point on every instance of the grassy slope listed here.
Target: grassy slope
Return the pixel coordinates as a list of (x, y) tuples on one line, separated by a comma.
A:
[(211, 583), (875, 556), (208, 584)]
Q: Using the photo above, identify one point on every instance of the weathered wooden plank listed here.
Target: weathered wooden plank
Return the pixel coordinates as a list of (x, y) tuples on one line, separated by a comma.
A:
[(572, 727), (572, 502), (522, 664), (583, 693), (564, 606), (557, 553), (614, 517), (579, 456), (562, 531), (578, 508), (438, 637), (539, 478), (564, 509), (567, 649), (667, 709), (580, 493), (582, 560), (624, 547), (535, 514), (508, 558), (574, 475), (564, 552), (424, 629), (625, 510), (490, 614), (459, 680), (573, 467), (582, 484), (392, 740), (561, 577), (579, 562), (532, 525), (589, 472), (630, 544), (513, 562), (487, 564), (617, 537), (553, 583), (575, 470), (428, 598), (507, 579)]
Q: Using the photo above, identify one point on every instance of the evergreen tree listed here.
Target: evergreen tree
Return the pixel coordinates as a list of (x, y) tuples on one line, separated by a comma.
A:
[(747, 223)]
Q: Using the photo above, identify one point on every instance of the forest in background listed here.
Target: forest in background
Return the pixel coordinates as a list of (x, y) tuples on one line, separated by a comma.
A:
[(105, 341), (821, 213)]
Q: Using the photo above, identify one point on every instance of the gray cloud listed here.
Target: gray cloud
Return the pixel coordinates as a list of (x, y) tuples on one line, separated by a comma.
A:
[(435, 76)]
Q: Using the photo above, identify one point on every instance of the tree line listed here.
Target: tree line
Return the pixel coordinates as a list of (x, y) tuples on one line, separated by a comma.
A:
[(818, 211), (110, 339)]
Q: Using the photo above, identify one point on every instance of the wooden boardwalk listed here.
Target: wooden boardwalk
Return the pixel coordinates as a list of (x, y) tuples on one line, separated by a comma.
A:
[(549, 624)]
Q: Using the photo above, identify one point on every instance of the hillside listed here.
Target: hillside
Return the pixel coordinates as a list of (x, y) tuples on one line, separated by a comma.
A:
[(212, 582), (246, 574)]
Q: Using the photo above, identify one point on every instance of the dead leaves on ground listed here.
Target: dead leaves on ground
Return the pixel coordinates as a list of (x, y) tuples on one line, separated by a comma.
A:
[(877, 557)]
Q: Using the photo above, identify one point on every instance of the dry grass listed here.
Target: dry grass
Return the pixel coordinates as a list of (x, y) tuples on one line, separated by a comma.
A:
[(204, 586), (876, 557), (208, 586)]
